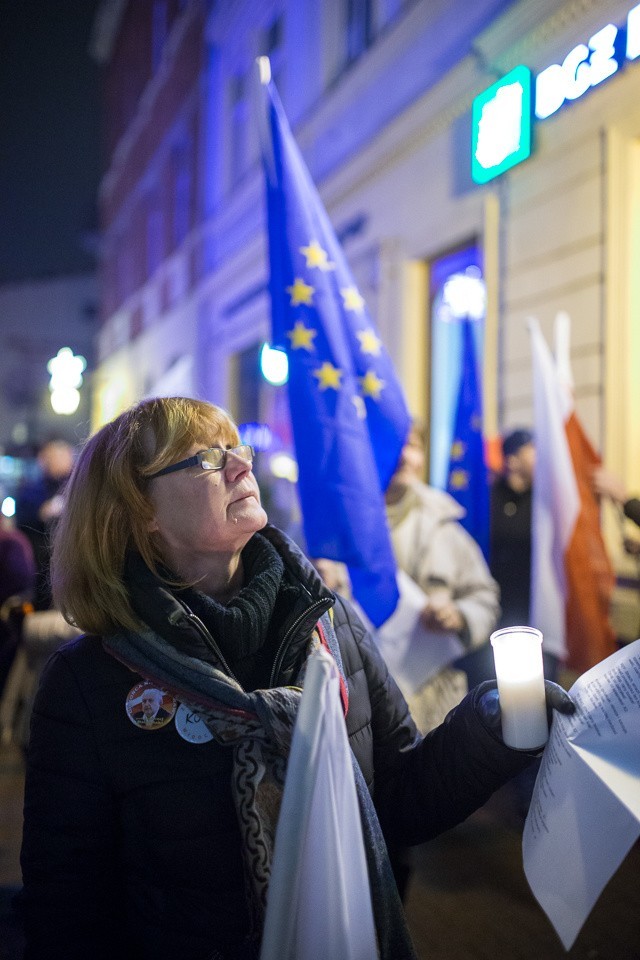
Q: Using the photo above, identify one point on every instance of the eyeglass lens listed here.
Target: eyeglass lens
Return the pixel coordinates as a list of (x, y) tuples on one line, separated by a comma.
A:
[(216, 457)]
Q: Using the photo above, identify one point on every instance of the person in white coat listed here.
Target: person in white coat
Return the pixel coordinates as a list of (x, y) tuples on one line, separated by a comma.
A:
[(434, 549)]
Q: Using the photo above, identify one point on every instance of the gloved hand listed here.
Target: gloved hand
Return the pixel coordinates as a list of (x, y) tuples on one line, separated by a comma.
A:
[(487, 704)]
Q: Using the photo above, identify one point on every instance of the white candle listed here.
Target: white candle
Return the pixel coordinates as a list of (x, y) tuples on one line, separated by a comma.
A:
[(517, 652)]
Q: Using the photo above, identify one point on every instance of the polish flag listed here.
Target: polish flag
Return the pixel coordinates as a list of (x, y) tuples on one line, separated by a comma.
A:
[(571, 575)]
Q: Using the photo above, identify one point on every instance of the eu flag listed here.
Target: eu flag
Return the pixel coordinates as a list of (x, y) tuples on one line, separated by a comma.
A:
[(467, 479), (348, 411)]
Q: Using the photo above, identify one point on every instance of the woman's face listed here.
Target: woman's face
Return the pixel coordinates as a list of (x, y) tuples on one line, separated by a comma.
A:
[(412, 460), (200, 511)]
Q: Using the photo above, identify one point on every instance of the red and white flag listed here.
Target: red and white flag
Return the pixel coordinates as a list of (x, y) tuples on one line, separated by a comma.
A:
[(571, 575)]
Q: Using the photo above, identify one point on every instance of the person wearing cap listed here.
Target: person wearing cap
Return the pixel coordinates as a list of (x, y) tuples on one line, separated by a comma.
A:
[(510, 527)]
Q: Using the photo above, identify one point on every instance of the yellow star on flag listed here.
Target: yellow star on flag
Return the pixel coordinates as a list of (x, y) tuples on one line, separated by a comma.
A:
[(371, 385), (352, 299), (369, 343), (301, 337), (458, 480), (328, 376), (457, 450), (317, 256), (300, 292)]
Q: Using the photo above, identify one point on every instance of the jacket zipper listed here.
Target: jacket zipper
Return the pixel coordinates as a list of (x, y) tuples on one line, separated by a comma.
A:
[(286, 639), (208, 639), (210, 642)]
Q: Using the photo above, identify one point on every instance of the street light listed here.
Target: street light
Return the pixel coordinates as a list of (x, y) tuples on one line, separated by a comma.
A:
[(65, 370)]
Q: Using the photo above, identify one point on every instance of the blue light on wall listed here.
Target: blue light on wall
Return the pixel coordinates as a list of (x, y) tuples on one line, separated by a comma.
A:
[(259, 435), (274, 365)]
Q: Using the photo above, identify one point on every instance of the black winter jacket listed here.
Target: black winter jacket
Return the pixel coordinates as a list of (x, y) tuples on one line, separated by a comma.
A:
[(131, 846)]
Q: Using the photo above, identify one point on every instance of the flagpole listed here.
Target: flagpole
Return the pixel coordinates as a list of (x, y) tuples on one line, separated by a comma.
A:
[(263, 67)]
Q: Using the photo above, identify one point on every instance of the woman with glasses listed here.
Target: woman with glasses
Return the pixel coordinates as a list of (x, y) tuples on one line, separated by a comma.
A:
[(155, 839)]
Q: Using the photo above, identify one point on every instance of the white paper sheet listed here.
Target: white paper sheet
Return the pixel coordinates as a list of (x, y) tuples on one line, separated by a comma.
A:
[(413, 653), (585, 810)]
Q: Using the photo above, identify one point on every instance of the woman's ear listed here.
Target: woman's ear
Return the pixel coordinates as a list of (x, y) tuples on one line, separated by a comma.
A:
[(152, 526)]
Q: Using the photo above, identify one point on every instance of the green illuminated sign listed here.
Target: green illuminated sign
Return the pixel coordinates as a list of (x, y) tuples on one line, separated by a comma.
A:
[(502, 125), (502, 115)]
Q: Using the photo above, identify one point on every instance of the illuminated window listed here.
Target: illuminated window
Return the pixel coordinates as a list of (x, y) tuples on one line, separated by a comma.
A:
[(457, 291)]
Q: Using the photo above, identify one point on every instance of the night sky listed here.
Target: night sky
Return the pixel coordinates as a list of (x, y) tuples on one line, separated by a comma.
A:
[(49, 138)]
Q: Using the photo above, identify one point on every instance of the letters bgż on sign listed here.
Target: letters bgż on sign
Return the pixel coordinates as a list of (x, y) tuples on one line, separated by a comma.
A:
[(501, 135)]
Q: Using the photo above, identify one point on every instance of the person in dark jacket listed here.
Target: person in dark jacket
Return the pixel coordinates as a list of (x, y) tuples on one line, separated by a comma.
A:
[(141, 842), (17, 580), (510, 528), (38, 506)]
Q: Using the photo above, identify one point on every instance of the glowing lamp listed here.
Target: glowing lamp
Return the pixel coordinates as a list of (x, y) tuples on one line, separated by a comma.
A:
[(65, 371), (274, 365), (65, 400)]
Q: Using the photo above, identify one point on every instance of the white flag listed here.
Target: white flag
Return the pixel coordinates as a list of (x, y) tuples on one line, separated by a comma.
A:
[(556, 501), (319, 900)]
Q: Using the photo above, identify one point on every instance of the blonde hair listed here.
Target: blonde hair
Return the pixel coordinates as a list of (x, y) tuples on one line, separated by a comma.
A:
[(108, 509)]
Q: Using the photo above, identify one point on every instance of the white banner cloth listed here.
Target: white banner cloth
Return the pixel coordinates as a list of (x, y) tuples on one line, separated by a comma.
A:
[(585, 810), (413, 653), (319, 901)]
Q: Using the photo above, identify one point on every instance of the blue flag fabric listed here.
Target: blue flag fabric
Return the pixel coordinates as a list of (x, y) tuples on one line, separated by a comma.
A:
[(467, 479), (348, 411)]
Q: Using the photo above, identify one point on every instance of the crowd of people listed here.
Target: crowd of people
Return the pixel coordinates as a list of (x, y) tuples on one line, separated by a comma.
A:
[(38, 505), (25, 588), (145, 834)]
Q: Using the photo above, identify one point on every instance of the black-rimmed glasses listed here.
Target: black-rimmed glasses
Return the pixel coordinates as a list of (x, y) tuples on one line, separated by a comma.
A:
[(212, 459)]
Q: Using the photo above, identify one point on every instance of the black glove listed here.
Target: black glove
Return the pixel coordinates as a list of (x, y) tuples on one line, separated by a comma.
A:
[(487, 704)]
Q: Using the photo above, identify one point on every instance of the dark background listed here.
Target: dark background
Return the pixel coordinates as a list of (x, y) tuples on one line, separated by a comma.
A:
[(49, 139)]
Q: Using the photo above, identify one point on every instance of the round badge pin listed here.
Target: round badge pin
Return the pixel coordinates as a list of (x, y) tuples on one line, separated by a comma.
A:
[(191, 726), (150, 707)]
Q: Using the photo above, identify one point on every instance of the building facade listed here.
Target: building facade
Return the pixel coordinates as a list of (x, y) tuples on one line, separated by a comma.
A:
[(379, 94)]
